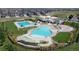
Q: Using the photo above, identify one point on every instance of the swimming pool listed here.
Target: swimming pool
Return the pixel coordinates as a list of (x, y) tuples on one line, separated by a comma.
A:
[(23, 24), (42, 31)]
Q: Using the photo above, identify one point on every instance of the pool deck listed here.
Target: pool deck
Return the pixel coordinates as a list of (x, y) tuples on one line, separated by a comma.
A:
[(34, 39), (65, 28), (55, 29), (38, 39)]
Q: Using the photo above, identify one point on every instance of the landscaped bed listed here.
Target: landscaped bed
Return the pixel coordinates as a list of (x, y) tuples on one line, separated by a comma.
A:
[(63, 37)]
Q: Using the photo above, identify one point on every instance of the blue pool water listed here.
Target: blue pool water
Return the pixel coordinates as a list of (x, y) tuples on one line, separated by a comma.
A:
[(42, 31), (23, 24)]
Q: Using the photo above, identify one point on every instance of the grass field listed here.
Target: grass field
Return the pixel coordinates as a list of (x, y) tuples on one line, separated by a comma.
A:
[(10, 26), (62, 37), (63, 14)]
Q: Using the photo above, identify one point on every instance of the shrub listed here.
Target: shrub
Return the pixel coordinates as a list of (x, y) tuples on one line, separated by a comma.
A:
[(9, 47), (2, 38)]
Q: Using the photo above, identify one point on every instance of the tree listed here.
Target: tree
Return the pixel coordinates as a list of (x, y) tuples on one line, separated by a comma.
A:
[(77, 16), (2, 33), (2, 38), (9, 47), (70, 17), (77, 38)]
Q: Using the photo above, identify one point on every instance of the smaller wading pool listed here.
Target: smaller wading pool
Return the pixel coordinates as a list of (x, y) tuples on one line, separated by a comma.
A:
[(23, 24), (42, 31)]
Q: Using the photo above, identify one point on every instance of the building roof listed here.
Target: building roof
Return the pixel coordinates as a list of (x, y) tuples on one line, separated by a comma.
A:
[(74, 19), (48, 18)]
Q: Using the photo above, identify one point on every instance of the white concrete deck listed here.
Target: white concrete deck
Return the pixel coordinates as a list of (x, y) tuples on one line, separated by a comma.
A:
[(65, 28), (28, 38)]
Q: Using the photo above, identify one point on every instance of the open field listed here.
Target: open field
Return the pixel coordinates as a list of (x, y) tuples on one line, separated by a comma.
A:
[(63, 14), (62, 37)]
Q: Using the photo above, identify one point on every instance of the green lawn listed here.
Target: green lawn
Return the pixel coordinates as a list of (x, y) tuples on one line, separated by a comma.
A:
[(62, 37), (10, 26)]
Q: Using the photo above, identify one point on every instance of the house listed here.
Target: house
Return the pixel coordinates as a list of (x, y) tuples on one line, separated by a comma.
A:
[(48, 19), (74, 19)]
